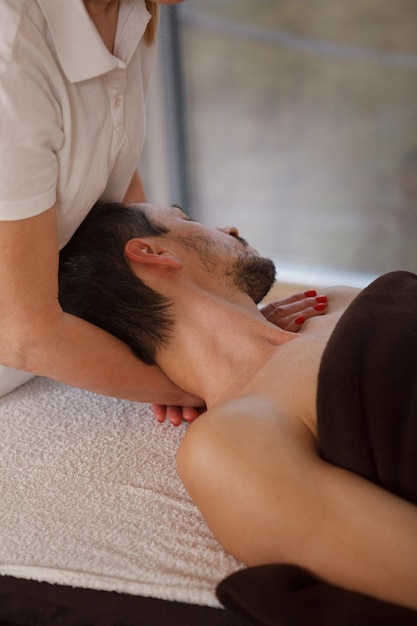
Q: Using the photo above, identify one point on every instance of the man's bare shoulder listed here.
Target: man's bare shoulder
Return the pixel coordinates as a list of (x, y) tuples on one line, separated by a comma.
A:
[(288, 379), (256, 409), (283, 390), (340, 296)]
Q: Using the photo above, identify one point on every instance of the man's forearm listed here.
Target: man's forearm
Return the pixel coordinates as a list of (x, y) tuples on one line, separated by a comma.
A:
[(268, 498), (366, 538)]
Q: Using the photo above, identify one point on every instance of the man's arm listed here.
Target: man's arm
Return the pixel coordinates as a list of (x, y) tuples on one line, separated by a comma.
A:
[(269, 498), (368, 536)]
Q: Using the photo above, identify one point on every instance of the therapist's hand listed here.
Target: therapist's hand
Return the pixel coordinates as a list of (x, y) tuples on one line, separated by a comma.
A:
[(291, 313), (176, 414)]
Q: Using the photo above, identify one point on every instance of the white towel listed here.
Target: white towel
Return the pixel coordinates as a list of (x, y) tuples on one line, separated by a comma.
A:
[(90, 498)]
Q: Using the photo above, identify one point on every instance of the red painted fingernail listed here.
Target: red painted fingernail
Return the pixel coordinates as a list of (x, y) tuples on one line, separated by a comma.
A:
[(310, 294), (319, 307), (321, 298), (300, 320)]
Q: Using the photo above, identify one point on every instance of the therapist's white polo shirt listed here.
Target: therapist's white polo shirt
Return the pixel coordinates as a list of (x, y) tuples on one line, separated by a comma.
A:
[(72, 115)]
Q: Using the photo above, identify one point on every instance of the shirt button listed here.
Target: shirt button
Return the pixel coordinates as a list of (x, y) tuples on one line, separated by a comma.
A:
[(118, 102)]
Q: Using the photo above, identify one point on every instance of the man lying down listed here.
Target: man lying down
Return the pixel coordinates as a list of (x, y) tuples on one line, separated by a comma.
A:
[(306, 455)]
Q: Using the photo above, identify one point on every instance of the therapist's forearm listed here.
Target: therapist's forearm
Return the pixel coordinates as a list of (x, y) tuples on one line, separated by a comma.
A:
[(80, 354)]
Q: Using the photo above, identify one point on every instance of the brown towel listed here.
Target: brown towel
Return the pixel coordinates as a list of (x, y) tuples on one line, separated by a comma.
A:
[(367, 393)]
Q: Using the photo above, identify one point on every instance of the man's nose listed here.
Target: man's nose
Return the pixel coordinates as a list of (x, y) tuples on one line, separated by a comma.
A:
[(229, 230)]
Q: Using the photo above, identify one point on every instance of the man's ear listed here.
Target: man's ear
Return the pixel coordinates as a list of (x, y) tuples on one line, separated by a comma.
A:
[(147, 251)]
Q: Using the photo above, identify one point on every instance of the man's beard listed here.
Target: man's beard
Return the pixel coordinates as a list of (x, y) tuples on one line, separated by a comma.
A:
[(249, 273), (254, 275)]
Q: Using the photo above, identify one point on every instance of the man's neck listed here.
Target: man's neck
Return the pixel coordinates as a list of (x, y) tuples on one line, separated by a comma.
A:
[(218, 346)]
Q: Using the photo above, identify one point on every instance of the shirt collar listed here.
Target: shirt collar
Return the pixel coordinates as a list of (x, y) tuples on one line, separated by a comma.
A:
[(80, 49)]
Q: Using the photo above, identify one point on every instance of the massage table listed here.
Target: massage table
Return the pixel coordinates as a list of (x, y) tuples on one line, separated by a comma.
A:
[(96, 527)]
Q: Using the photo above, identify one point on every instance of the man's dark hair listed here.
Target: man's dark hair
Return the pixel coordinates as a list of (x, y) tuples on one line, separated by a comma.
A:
[(97, 284)]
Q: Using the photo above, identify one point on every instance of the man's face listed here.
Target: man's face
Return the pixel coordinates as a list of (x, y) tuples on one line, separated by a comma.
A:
[(221, 252)]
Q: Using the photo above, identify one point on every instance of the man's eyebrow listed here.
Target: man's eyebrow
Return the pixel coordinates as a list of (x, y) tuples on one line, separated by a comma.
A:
[(177, 206)]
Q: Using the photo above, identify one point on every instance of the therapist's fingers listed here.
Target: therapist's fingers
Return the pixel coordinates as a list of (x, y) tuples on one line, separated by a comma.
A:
[(172, 413), (160, 412), (291, 313), (295, 322), (175, 414)]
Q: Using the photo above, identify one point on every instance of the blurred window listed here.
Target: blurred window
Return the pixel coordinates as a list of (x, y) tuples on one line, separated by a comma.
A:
[(300, 119)]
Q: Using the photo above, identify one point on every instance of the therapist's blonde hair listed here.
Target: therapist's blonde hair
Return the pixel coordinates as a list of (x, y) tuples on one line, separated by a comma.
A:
[(152, 27)]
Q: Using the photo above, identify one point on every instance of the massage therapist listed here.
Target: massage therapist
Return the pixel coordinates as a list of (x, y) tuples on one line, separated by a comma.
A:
[(74, 78)]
